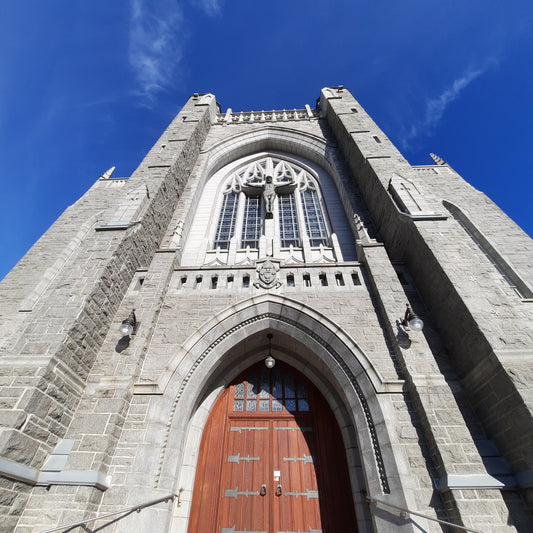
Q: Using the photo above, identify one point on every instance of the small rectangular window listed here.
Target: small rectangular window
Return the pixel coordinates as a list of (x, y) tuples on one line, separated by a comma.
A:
[(183, 280), (198, 282), (376, 138), (307, 280), (246, 280), (323, 280), (339, 280), (139, 284), (290, 280), (354, 110), (229, 282), (214, 282), (355, 278)]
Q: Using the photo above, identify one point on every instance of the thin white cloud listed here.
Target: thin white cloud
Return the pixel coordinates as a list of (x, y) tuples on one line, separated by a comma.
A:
[(436, 107), (155, 43), (210, 7)]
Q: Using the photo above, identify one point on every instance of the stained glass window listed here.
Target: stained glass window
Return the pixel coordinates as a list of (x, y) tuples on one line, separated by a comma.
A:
[(274, 390)]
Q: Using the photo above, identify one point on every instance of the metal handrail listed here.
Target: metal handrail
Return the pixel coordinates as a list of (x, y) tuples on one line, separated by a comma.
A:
[(123, 512), (404, 510)]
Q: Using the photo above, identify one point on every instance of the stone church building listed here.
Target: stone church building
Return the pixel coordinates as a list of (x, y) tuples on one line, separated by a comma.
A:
[(276, 324)]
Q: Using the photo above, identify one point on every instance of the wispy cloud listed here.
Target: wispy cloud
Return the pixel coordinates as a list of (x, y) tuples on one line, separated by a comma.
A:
[(435, 107), (155, 43), (210, 7)]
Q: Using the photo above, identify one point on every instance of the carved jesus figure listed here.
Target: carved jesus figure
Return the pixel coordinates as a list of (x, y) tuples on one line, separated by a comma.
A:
[(270, 190)]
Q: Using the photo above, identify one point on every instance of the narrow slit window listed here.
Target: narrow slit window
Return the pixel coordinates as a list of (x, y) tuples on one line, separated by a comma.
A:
[(183, 280), (198, 282), (246, 281), (307, 280), (355, 278), (290, 280), (214, 282), (229, 281), (323, 279), (339, 280), (377, 139)]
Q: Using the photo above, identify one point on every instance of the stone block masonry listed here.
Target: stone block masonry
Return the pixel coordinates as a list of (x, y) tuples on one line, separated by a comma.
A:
[(57, 342), (448, 276)]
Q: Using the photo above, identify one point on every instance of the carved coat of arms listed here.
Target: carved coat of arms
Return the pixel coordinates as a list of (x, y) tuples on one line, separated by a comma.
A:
[(267, 274)]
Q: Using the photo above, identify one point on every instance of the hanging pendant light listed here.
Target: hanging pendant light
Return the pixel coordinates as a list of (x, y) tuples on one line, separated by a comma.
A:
[(269, 361)]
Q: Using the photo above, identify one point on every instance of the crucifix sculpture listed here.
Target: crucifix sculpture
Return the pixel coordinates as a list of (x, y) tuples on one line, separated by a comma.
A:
[(270, 190)]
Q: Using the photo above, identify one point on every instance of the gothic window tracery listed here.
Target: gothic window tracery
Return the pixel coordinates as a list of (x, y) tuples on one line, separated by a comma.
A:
[(275, 189)]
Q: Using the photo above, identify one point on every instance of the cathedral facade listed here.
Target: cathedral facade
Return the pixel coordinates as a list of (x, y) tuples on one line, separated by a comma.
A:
[(276, 324)]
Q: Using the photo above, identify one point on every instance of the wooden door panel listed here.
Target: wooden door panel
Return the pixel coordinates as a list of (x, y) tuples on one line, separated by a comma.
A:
[(261, 425), (206, 486), (247, 455), (296, 507)]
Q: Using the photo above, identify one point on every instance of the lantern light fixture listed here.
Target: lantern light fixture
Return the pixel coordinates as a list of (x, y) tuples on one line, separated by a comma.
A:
[(129, 324), (269, 361), (411, 321)]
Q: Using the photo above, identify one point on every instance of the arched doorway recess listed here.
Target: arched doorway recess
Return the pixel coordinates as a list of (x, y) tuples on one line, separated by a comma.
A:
[(271, 459), (233, 340)]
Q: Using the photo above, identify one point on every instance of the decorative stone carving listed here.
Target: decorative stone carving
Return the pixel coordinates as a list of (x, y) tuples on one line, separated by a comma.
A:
[(269, 190), (408, 197), (438, 160), (107, 174), (267, 274)]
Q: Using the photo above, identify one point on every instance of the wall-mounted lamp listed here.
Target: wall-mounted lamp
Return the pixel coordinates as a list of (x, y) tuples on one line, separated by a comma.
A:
[(270, 361), (411, 321), (129, 324)]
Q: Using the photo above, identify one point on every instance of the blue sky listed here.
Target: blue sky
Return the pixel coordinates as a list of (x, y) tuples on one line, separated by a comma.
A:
[(89, 85)]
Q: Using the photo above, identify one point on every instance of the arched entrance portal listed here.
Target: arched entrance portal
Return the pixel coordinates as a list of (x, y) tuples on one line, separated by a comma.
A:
[(271, 460)]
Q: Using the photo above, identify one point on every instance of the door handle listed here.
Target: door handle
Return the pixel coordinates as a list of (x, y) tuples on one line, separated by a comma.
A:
[(263, 490), (279, 492)]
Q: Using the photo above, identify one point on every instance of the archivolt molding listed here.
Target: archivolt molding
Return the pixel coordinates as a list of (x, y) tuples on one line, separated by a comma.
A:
[(252, 315), (269, 138)]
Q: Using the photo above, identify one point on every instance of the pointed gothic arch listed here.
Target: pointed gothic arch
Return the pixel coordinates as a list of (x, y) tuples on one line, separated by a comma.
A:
[(291, 144), (306, 340)]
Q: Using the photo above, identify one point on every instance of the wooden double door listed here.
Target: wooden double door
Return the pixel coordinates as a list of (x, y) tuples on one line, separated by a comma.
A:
[(271, 460)]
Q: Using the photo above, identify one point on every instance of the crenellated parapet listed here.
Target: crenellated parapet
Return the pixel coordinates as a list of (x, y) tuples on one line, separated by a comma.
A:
[(284, 115)]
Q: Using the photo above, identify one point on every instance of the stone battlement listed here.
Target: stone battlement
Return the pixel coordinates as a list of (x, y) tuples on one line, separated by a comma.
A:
[(229, 117)]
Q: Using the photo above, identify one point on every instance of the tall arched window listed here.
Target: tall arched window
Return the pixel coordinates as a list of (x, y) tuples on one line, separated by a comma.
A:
[(271, 195), (252, 222), (226, 221)]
